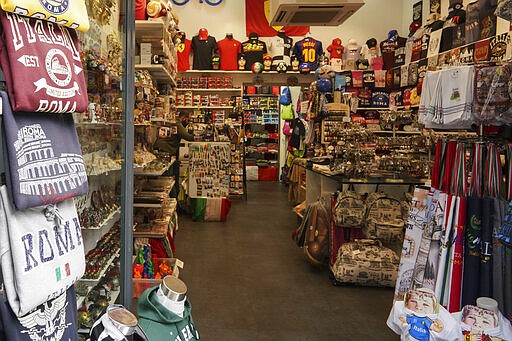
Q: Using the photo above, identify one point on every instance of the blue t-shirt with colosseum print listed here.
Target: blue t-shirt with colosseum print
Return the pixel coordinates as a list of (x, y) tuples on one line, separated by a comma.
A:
[(42, 157)]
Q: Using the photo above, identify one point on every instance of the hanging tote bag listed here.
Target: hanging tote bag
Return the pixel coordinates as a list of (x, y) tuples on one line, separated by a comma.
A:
[(41, 252), (286, 96)]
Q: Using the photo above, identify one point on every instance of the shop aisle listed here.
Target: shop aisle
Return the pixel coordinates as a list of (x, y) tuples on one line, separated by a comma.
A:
[(248, 281)]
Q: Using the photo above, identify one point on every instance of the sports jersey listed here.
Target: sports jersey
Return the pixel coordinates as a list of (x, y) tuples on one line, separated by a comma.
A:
[(388, 49), (229, 50), (203, 52), (308, 50), (184, 50), (253, 49), (280, 48)]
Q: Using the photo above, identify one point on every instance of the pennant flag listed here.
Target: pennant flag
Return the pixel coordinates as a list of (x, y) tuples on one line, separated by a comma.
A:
[(257, 20)]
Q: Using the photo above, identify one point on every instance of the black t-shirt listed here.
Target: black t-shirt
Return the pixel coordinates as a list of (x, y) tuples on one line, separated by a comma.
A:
[(388, 49), (203, 52), (253, 49)]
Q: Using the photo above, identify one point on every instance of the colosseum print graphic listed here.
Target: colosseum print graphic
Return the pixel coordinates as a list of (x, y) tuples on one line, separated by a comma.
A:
[(40, 171)]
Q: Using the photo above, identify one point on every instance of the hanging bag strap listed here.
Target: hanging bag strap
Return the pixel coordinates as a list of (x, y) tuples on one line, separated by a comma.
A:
[(458, 185), (476, 171), (492, 172)]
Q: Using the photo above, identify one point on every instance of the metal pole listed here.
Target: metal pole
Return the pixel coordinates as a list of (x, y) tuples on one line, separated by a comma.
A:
[(127, 148)]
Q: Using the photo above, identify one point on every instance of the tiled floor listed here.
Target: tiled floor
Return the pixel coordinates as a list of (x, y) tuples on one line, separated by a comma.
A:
[(247, 280)]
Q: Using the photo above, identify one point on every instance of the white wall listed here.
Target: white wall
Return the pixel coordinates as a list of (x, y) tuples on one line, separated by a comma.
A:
[(373, 20)]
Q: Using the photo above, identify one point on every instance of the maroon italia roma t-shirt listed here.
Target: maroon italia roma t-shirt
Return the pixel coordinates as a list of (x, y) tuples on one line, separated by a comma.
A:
[(42, 66)]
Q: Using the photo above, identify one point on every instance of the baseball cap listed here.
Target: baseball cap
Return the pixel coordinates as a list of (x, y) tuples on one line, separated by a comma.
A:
[(266, 56), (203, 34), (371, 43)]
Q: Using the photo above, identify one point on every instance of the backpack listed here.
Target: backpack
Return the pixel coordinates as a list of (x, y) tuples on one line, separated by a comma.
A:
[(316, 243), (349, 210), (365, 262), (385, 219)]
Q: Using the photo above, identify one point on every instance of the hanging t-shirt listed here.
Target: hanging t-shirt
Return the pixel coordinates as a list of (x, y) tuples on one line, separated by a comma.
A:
[(43, 159), (52, 320), (280, 48), (203, 52), (184, 50), (388, 49), (253, 49), (472, 25), (42, 66), (229, 49), (308, 50)]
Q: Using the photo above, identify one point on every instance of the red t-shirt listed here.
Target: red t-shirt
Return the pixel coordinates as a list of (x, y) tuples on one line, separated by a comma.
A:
[(184, 55), (229, 50)]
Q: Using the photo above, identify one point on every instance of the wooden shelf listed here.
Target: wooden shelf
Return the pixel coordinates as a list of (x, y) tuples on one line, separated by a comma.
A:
[(202, 107), (147, 30), (158, 72), (389, 108), (140, 171), (210, 89), (108, 222), (398, 132)]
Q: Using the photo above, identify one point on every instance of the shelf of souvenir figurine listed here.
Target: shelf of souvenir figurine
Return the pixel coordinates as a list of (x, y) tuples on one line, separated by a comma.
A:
[(210, 89), (93, 299), (106, 223), (204, 107), (154, 168), (158, 72), (100, 163), (151, 201), (99, 271)]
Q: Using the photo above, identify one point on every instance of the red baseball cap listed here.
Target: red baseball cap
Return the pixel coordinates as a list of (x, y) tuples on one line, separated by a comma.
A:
[(203, 34)]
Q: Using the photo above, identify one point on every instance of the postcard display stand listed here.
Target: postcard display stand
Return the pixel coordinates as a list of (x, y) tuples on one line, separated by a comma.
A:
[(209, 169)]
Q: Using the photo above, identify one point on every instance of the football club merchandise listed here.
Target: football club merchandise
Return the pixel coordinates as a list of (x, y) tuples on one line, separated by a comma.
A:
[(229, 49), (280, 48), (52, 320), (253, 50), (42, 252), (43, 71), (388, 47), (308, 50), (43, 159), (370, 49), (203, 46), (184, 49), (72, 14)]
